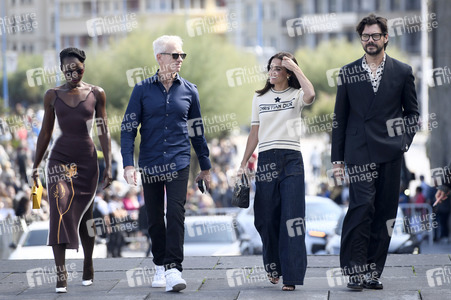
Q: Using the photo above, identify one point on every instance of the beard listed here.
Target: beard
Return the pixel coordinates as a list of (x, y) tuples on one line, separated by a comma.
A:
[(373, 52)]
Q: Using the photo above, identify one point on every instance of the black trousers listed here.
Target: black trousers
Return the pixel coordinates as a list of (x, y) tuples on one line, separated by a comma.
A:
[(373, 201), (167, 239)]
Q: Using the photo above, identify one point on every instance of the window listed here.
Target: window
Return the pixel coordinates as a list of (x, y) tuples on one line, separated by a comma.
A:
[(332, 6), (77, 9), (299, 10), (347, 6), (413, 5), (273, 42), (395, 5), (366, 6), (272, 11), (413, 42), (164, 5), (249, 13)]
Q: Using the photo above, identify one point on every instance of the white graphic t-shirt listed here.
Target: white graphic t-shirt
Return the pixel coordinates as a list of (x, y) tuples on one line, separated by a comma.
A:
[(278, 113)]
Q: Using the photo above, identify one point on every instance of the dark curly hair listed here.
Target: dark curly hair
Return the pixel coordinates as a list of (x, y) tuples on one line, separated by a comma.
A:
[(72, 52), (371, 20), (292, 81)]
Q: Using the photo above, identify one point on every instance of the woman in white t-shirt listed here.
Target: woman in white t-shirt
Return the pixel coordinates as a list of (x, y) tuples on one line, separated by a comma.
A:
[(279, 203)]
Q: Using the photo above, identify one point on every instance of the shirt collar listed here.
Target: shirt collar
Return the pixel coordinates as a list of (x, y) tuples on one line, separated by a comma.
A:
[(156, 79), (365, 64)]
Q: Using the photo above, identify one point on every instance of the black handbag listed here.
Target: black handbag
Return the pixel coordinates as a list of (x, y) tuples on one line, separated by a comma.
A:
[(241, 192)]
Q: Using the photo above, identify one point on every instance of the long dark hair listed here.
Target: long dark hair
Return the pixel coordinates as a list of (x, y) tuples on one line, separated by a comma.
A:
[(292, 81)]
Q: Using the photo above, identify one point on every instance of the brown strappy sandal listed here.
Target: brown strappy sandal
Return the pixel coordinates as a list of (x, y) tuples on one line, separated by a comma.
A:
[(287, 287)]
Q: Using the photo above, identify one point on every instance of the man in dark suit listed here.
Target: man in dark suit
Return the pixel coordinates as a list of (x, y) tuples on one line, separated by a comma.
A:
[(376, 114)]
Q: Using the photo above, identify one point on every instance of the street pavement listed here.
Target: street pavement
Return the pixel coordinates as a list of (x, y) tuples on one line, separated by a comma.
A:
[(405, 277)]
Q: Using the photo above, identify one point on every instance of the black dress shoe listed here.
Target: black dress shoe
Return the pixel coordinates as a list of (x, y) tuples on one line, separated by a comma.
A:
[(356, 286), (355, 283), (373, 284)]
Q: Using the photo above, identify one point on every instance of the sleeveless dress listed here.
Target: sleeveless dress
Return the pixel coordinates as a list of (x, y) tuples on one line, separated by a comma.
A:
[(72, 171)]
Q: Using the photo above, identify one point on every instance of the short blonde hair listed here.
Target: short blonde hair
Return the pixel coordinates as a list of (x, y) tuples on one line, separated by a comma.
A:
[(160, 44)]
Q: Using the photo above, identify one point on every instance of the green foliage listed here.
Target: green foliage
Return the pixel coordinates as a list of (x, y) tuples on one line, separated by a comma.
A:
[(18, 87), (330, 55), (209, 58), (315, 63)]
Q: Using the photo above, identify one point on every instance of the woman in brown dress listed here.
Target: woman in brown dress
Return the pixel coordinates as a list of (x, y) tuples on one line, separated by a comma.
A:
[(72, 170)]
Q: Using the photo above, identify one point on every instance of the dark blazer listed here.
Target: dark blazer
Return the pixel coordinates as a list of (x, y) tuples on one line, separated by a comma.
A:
[(374, 128)]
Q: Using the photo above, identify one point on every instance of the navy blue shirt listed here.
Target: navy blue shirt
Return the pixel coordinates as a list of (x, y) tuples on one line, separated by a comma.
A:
[(165, 134)]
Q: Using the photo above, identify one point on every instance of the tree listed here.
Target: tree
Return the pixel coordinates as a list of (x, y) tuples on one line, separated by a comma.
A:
[(321, 66), (224, 100)]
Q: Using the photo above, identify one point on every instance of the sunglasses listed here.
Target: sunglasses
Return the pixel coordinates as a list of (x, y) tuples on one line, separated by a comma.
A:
[(79, 72), (176, 55)]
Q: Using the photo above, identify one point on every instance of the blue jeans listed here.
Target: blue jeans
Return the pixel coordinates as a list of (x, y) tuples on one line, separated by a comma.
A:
[(279, 204)]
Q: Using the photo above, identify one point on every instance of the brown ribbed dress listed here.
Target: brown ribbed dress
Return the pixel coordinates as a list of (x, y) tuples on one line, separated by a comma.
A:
[(72, 171)]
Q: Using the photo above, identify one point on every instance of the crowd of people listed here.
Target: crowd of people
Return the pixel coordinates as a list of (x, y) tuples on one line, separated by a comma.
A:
[(17, 144), (120, 203)]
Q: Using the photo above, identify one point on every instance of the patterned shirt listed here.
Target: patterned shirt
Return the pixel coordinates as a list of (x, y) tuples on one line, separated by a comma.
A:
[(375, 79)]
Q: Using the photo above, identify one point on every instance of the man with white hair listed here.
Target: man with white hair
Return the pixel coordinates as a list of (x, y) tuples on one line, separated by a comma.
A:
[(168, 109)]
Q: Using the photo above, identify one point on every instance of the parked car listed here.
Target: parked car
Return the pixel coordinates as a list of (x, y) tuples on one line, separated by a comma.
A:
[(214, 235), (33, 245), (322, 215), (400, 243)]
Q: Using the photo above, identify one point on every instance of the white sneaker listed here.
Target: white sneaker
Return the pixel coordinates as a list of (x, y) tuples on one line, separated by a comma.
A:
[(158, 279), (174, 280)]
